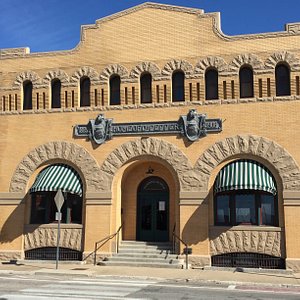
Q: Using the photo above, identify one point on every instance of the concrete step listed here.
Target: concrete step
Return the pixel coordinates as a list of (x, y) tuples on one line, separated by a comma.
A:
[(140, 264), (146, 255), (167, 260)]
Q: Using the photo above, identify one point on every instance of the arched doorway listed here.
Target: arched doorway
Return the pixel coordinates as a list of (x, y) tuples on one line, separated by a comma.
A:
[(153, 210)]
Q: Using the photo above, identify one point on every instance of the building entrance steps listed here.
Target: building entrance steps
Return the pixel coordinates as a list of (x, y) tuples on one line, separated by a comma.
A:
[(144, 254)]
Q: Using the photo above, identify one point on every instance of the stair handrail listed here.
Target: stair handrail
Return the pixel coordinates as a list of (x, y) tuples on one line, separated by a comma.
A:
[(105, 240), (174, 237)]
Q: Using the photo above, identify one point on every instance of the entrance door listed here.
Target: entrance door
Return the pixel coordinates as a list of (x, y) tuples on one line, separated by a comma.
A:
[(153, 210)]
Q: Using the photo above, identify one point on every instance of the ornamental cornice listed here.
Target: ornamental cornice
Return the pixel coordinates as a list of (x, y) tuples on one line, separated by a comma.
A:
[(245, 59), (28, 75), (211, 62), (56, 74), (283, 56), (113, 69), (89, 72), (177, 64)]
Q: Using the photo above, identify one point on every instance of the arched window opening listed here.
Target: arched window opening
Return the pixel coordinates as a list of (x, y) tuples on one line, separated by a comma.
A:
[(146, 88), (246, 83), (27, 95), (85, 86), (44, 189), (283, 80), (178, 86), (55, 93), (211, 85), (115, 84), (245, 193)]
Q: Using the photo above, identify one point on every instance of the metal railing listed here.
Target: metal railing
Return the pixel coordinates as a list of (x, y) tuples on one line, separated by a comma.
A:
[(105, 240), (186, 249)]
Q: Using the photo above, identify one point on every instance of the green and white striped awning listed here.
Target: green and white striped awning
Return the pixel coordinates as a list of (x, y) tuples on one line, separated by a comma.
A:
[(58, 176), (245, 175)]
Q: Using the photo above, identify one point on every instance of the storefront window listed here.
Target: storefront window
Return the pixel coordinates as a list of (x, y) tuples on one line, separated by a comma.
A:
[(245, 208), (43, 208)]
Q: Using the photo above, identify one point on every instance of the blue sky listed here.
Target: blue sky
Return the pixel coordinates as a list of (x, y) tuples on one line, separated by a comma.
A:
[(48, 25)]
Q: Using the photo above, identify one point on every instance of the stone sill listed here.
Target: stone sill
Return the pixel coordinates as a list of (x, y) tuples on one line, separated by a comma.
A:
[(32, 227), (245, 228)]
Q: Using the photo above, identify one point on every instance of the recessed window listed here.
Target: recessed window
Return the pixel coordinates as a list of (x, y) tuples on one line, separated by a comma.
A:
[(85, 86), (146, 88), (283, 82), (55, 93), (27, 95), (114, 85), (178, 86), (211, 85), (47, 183), (246, 82), (245, 194)]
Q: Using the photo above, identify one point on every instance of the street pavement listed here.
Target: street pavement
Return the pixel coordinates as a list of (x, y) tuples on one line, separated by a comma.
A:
[(249, 277)]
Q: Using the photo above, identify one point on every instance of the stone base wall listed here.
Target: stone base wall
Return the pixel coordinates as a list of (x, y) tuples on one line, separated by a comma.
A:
[(293, 264), (11, 255), (46, 236), (88, 257), (267, 240), (198, 261)]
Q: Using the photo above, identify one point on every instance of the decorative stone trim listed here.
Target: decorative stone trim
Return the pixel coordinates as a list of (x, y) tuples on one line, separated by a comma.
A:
[(276, 155), (256, 241), (56, 74), (211, 62), (28, 75), (245, 59), (284, 56), (115, 69), (85, 71), (189, 180), (40, 236), (59, 150), (176, 64), (150, 67)]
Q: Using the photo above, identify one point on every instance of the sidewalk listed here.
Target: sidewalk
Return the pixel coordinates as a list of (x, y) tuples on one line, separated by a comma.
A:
[(280, 278)]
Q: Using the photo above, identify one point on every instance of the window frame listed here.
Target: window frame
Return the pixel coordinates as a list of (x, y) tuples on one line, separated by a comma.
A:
[(115, 90), (49, 207), (246, 84), (283, 81), (85, 91), (212, 84), (178, 88), (258, 208), (56, 93), (146, 88), (27, 95)]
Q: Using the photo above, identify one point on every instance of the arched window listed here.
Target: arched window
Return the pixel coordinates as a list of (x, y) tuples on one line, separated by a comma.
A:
[(178, 86), (44, 189), (85, 86), (245, 193), (55, 93), (246, 82), (27, 95), (211, 84), (283, 82), (146, 88), (114, 85)]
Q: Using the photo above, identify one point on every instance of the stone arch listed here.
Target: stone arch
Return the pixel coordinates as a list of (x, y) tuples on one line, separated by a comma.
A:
[(111, 70), (245, 59), (28, 75), (283, 56), (59, 74), (85, 71), (176, 64), (268, 150), (166, 151), (211, 62), (67, 151), (150, 67)]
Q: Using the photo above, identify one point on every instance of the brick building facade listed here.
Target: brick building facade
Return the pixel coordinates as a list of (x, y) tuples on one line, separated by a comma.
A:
[(154, 63)]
